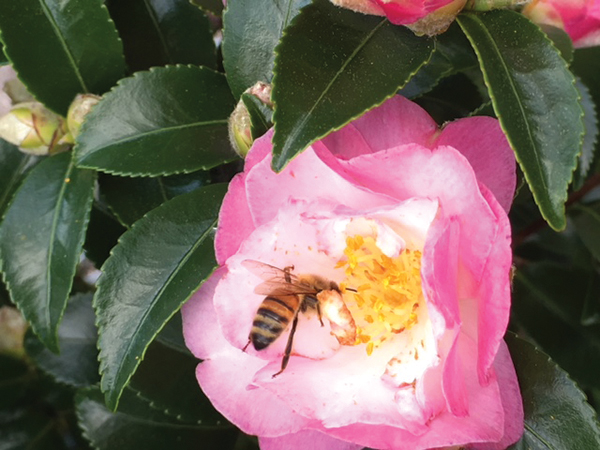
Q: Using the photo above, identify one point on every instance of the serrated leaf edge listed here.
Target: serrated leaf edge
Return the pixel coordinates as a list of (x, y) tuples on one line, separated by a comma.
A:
[(583, 397), (103, 364), (276, 163), (124, 81), (562, 225), (52, 345)]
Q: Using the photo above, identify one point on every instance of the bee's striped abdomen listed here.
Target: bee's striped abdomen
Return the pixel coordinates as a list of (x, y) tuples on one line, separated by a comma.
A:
[(273, 316)]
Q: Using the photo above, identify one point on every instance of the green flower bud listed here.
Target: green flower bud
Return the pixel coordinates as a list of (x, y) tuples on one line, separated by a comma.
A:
[(33, 128), (240, 124), (80, 107), (12, 331)]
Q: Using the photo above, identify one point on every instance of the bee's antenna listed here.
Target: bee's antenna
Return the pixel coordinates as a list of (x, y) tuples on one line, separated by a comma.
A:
[(351, 289)]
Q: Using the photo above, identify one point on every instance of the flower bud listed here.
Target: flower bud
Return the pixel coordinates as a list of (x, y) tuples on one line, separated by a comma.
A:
[(240, 123), (80, 107), (439, 20), (33, 128), (12, 331)]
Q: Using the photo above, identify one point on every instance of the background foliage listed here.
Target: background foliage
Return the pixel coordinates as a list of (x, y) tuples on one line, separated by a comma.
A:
[(104, 366)]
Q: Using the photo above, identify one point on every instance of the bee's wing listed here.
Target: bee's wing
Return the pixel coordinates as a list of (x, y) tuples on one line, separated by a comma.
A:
[(265, 271), (277, 281), (279, 286)]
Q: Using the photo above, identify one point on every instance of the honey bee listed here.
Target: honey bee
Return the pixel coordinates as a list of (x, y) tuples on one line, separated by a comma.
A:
[(286, 295)]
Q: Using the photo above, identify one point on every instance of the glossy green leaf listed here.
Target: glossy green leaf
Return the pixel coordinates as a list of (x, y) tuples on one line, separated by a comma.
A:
[(81, 49), (168, 120), (332, 65), (548, 304), (138, 425), (41, 240), (535, 99), (590, 140), (3, 58), (172, 335), (14, 165), (561, 41), (131, 198), (160, 32), (251, 31), (166, 255), (557, 416), (452, 54), (261, 116), (77, 363), (179, 395)]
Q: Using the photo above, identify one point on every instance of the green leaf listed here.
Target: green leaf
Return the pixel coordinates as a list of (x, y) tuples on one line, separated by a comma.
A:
[(14, 165), (557, 416), (61, 49), (138, 425), (451, 55), (41, 239), (261, 116), (168, 120), (535, 99), (561, 41), (172, 335), (590, 140), (179, 395), (131, 198), (251, 31), (77, 363), (160, 32), (166, 255), (332, 65), (548, 304)]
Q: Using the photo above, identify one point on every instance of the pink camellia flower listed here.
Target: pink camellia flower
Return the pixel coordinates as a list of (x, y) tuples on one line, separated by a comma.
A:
[(409, 223), (422, 16), (579, 18)]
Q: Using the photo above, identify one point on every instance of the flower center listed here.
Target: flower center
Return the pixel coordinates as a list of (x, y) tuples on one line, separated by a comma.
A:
[(388, 290)]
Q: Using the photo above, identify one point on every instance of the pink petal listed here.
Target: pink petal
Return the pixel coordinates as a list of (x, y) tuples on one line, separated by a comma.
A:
[(306, 439), (395, 122), (235, 220), (306, 177), (482, 142), (201, 329), (406, 12), (494, 296), (485, 422), (511, 401)]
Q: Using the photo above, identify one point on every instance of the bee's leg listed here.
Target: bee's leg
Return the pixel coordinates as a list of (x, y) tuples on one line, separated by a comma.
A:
[(319, 313), (288, 347), (246, 346)]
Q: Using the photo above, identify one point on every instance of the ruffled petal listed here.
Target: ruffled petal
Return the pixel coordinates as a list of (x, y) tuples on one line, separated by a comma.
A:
[(485, 422), (396, 122), (511, 401), (482, 142)]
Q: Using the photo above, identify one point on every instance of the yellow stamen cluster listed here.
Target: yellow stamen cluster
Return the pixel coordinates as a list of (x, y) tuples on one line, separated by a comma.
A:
[(388, 290)]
